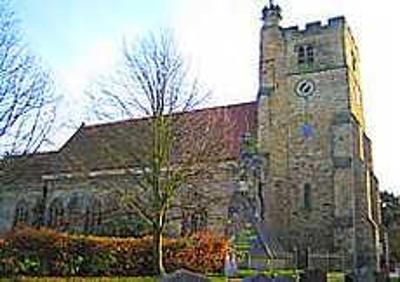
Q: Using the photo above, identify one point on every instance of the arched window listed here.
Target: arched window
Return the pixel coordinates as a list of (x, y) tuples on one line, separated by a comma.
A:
[(56, 214), (307, 196), (77, 210), (96, 216), (21, 213), (75, 206), (310, 54), (193, 222), (301, 55), (93, 215), (305, 55), (198, 220), (185, 224)]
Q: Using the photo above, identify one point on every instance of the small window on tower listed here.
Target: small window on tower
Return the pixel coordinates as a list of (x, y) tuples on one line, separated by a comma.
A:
[(307, 196), (305, 55), (301, 55), (310, 54)]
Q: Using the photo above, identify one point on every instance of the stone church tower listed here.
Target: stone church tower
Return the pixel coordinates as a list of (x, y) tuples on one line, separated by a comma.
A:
[(321, 192)]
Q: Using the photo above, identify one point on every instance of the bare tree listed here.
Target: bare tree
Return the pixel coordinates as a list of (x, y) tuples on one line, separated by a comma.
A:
[(26, 100), (168, 147)]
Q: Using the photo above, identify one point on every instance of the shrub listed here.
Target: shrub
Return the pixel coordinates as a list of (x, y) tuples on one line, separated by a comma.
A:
[(43, 252), (204, 252)]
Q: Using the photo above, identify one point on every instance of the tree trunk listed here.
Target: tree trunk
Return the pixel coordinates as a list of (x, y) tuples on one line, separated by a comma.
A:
[(158, 253)]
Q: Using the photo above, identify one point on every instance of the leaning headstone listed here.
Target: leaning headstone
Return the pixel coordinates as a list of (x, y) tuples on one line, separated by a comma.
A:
[(183, 275), (314, 275), (230, 267)]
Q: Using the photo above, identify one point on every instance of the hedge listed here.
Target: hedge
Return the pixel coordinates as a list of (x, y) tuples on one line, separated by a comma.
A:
[(43, 252)]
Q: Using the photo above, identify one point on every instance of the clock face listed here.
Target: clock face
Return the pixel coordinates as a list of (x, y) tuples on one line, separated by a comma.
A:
[(305, 88)]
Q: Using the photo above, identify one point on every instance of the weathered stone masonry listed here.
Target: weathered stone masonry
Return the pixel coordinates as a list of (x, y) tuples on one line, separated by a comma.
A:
[(322, 192)]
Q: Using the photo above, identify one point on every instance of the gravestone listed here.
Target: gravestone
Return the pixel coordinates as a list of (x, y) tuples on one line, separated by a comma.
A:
[(349, 278), (183, 275), (381, 277), (258, 278), (314, 275)]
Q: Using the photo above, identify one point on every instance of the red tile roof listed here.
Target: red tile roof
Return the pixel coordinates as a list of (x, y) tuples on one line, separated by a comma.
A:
[(112, 145)]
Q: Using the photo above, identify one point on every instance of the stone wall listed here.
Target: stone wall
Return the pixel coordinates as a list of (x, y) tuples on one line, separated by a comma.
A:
[(320, 193), (86, 203)]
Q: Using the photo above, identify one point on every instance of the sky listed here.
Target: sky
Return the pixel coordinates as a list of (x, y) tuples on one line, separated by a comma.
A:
[(79, 40)]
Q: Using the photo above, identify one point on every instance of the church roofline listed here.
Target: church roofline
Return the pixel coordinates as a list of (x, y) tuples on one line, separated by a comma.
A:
[(125, 121), (242, 115)]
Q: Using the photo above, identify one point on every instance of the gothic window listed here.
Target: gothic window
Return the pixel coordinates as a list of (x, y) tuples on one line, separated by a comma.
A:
[(74, 207), (78, 210), (310, 54), (87, 223), (301, 55), (233, 212), (198, 220), (305, 55), (56, 214), (93, 215), (185, 225), (307, 196), (21, 213), (194, 222), (96, 213)]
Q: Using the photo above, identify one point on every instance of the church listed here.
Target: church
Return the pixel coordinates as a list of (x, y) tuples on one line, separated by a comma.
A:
[(317, 188)]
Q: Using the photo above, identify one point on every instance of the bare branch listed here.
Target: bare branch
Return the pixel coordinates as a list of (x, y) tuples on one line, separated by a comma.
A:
[(26, 92)]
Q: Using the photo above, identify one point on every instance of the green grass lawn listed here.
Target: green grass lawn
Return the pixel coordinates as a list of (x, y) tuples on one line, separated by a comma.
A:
[(332, 277), (117, 279), (121, 279), (76, 279), (335, 277)]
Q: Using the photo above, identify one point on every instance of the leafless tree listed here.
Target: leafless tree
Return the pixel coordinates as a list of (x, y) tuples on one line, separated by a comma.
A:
[(168, 147), (26, 96)]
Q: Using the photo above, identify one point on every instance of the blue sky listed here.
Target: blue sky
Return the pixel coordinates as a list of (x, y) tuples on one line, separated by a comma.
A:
[(62, 29), (81, 39)]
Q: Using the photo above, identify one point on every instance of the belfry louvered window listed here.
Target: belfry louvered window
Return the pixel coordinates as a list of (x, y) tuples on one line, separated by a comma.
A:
[(307, 196), (309, 54), (301, 55), (305, 55)]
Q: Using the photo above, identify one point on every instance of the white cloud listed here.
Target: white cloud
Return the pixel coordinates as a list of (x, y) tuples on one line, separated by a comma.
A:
[(220, 38), (99, 59), (74, 80)]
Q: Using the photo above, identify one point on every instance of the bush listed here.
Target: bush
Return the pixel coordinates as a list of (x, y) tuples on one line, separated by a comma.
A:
[(43, 252), (204, 252)]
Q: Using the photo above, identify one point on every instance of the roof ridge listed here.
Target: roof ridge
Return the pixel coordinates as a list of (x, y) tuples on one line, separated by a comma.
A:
[(123, 121), (33, 154)]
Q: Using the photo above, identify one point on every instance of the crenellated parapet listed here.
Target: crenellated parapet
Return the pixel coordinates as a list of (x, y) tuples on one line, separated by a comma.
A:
[(317, 27)]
